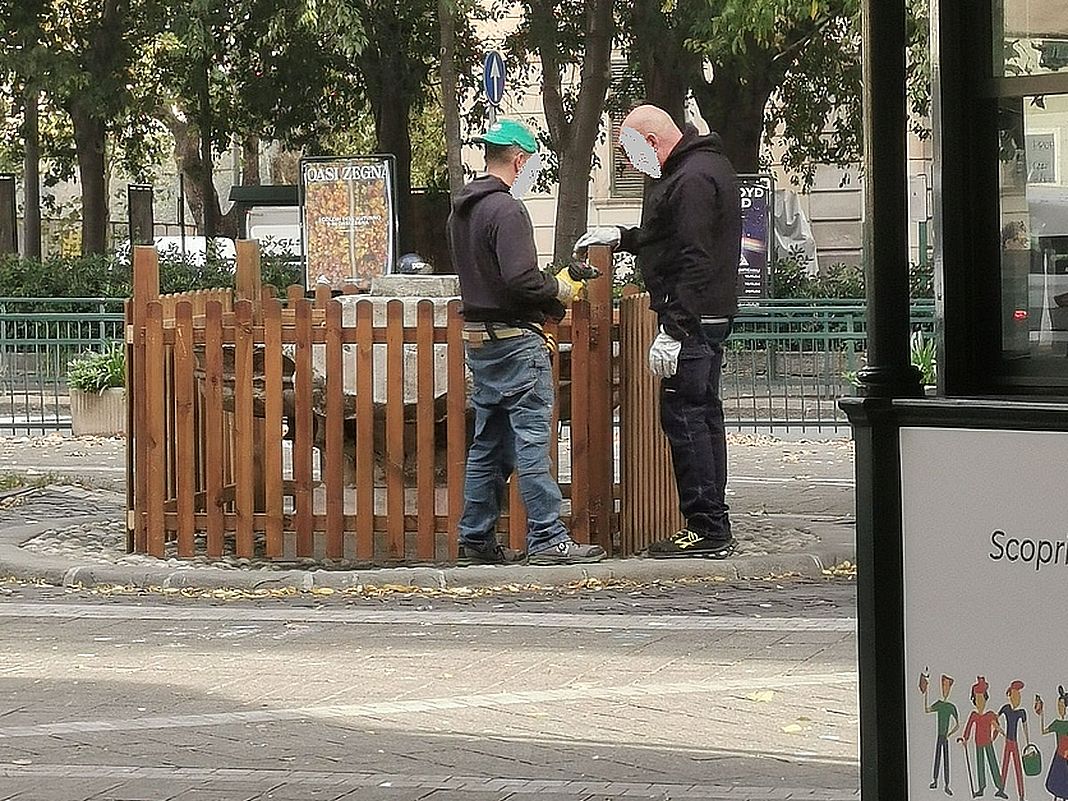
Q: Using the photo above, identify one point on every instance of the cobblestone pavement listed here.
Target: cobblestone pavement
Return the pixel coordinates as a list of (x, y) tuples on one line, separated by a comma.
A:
[(776, 486), (699, 690), (799, 475), (104, 542)]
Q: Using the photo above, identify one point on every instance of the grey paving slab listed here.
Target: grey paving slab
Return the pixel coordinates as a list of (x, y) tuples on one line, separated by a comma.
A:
[(252, 699)]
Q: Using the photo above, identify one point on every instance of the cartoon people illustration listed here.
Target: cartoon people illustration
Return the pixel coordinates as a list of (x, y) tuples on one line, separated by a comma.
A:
[(984, 723), (948, 723), (1057, 778), (1014, 716)]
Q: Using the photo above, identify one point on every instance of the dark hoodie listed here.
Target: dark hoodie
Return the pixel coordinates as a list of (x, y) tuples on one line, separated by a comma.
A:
[(690, 239), (492, 244)]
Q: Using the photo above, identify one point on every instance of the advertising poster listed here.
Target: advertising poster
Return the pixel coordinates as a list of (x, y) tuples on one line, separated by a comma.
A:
[(758, 203), (348, 219), (985, 527)]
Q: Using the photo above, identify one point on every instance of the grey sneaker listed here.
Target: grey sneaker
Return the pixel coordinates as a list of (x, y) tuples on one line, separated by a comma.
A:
[(567, 552)]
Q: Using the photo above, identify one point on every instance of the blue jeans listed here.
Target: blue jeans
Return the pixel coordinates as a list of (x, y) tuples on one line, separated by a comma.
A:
[(513, 402), (691, 414)]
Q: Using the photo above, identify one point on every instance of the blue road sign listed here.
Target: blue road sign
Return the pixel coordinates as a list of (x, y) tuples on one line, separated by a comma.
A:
[(493, 77)]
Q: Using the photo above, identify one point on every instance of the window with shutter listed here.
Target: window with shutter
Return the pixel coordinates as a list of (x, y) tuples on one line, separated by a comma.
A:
[(627, 182)]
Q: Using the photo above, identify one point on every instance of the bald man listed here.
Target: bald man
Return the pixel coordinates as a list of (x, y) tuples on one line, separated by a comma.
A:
[(688, 247)]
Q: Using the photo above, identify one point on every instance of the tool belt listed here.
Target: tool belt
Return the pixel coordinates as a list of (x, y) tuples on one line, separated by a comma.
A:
[(477, 334)]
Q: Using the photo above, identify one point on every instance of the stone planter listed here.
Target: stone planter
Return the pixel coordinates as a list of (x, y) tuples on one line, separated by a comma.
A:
[(100, 414)]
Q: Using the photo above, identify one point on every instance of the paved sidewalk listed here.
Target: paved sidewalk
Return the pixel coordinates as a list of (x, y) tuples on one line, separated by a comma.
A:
[(792, 506), (699, 692)]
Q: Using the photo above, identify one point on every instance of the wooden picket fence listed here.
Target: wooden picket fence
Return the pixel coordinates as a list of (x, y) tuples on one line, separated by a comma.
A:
[(237, 446), (650, 505)]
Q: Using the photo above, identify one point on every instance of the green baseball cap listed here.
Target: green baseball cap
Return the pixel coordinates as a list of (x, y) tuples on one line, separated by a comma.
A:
[(509, 132)]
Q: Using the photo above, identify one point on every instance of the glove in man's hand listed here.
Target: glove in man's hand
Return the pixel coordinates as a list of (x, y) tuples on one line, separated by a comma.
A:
[(664, 355), (569, 287), (608, 235)]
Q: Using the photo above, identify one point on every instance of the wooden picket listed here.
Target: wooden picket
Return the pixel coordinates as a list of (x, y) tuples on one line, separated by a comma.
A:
[(239, 448)]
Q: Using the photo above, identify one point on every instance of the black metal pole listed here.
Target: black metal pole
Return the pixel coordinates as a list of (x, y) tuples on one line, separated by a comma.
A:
[(181, 208), (140, 214), (889, 372), (31, 178), (9, 231)]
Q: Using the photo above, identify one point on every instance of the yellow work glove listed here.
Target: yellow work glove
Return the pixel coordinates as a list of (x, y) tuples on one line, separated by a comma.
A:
[(569, 287)]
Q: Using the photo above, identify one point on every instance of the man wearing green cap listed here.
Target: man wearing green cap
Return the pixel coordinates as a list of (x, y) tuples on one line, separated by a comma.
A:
[(506, 299)]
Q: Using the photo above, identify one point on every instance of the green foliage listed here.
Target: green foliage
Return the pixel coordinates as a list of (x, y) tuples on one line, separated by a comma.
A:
[(789, 69), (918, 77), (63, 277), (922, 355), (95, 371), (59, 277), (790, 278), (921, 280)]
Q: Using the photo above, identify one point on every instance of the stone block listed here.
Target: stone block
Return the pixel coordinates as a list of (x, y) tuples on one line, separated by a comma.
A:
[(416, 286)]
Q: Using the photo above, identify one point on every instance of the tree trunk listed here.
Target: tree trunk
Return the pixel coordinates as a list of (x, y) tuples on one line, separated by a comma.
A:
[(666, 65), (735, 110), (392, 118), (449, 98), (89, 138), (32, 176), (573, 139), (188, 158), (209, 210), (250, 161)]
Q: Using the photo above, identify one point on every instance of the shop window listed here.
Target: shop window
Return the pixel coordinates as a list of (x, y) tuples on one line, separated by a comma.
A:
[(1030, 37), (1033, 215)]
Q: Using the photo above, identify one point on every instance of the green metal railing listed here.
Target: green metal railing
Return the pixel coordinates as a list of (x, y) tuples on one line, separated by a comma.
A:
[(38, 337), (787, 362)]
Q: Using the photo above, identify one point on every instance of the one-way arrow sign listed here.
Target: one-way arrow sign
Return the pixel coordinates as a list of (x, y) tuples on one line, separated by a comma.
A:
[(493, 77)]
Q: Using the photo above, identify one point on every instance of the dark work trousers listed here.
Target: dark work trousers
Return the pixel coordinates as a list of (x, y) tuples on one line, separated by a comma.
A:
[(691, 415)]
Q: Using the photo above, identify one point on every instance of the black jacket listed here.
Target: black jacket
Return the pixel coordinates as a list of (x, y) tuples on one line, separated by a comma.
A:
[(690, 239), (492, 244)]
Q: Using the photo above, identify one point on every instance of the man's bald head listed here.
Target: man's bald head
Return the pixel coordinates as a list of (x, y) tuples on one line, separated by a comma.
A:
[(652, 120), (655, 126)]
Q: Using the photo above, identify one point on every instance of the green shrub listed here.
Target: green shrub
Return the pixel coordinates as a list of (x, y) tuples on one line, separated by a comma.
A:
[(59, 277), (922, 355), (790, 279), (922, 352), (95, 371)]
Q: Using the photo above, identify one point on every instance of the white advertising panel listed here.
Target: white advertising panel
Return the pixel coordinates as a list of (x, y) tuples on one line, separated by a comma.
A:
[(985, 529)]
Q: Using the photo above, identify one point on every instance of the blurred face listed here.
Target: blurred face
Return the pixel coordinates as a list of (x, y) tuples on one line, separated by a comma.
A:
[(947, 685), (1014, 696), (980, 702), (1061, 709), (641, 151), (527, 167)]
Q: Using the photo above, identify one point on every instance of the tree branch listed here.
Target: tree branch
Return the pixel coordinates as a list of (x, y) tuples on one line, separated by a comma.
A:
[(543, 34)]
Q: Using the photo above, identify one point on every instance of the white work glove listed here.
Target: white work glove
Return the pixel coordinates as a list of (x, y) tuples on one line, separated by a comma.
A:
[(664, 355), (608, 235)]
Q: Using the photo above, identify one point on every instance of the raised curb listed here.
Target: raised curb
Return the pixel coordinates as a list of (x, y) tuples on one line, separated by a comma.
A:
[(59, 571)]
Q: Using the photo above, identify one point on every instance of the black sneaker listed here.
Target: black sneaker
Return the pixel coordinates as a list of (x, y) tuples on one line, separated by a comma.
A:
[(690, 543), (567, 552), (491, 555)]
